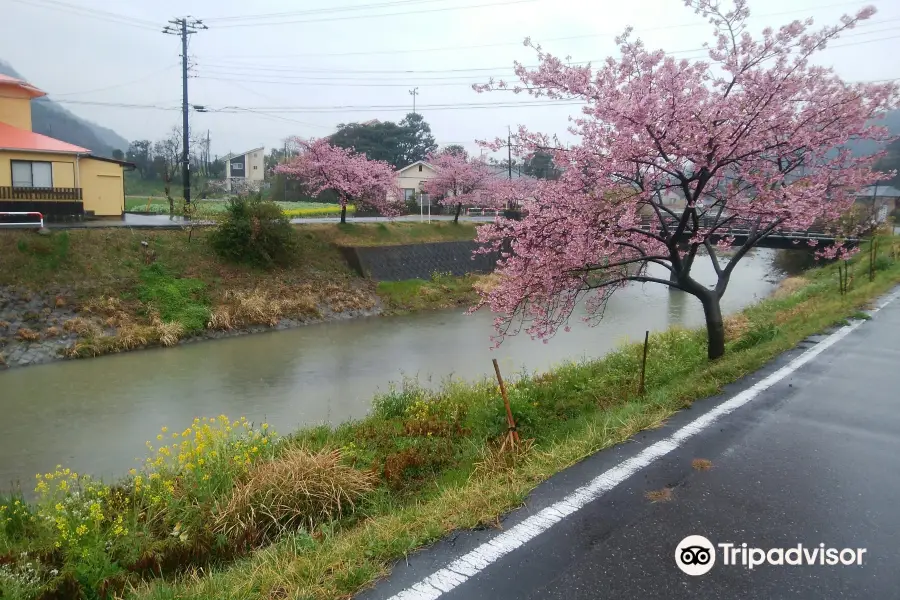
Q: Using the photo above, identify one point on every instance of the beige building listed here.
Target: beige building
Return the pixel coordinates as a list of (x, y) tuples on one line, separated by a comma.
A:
[(411, 178), (247, 167)]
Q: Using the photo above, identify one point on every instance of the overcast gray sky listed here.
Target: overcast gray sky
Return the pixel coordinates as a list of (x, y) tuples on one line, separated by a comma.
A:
[(322, 54)]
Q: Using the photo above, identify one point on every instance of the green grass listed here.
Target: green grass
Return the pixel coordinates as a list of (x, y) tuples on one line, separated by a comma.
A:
[(392, 234), (436, 459), (135, 186), (176, 299), (441, 291)]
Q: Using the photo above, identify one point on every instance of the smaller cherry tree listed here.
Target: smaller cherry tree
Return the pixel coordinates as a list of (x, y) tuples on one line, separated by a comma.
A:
[(352, 176), (459, 180)]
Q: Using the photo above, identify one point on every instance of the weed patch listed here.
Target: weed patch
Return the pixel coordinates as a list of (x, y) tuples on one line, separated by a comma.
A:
[(174, 299)]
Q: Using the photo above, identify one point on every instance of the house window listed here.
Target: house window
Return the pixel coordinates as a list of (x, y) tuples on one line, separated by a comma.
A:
[(409, 194), (420, 168), (32, 174), (255, 167)]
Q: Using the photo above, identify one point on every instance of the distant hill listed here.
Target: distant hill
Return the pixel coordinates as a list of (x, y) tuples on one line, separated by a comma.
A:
[(891, 121), (49, 118)]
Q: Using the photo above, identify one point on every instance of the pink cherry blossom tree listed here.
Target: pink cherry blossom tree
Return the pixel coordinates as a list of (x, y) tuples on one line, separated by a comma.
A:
[(352, 176), (460, 180), (753, 137)]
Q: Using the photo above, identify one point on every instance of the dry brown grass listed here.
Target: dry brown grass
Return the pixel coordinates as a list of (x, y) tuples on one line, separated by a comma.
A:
[(168, 333), (736, 326), (27, 335), (663, 495), (341, 298), (52, 332), (701, 464), (60, 302), (788, 315), (83, 327), (132, 336), (487, 283), (4, 324), (790, 286), (298, 489), (242, 308), (104, 305)]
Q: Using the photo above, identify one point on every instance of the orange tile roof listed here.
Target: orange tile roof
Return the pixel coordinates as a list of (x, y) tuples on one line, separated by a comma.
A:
[(13, 138), (6, 80)]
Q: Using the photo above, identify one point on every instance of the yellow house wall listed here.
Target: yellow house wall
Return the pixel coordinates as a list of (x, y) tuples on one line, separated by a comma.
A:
[(15, 108), (101, 184), (63, 166)]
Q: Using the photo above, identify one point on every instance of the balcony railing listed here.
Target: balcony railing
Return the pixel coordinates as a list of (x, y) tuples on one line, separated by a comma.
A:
[(45, 194)]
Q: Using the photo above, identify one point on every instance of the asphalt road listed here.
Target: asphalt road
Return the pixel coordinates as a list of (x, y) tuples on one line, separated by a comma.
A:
[(165, 222), (813, 459)]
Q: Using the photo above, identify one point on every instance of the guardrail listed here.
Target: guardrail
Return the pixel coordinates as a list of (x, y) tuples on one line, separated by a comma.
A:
[(482, 211), (40, 221)]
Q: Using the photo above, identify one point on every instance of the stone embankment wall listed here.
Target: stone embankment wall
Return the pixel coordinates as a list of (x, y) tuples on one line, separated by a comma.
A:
[(418, 261)]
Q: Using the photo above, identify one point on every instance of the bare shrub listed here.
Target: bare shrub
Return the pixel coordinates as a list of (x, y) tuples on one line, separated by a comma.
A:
[(220, 318), (133, 336), (82, 327), (27, 335), (297, 489), (168, 333)]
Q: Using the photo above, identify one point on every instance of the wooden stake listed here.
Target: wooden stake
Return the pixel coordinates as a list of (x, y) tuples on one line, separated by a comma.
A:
[(512, 436), (644, 363)]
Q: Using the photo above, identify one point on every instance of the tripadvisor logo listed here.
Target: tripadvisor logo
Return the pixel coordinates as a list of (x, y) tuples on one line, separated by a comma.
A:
[(696, 555)]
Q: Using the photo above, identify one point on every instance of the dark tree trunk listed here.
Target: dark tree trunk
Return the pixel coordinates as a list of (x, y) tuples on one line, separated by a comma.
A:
[(715, 326), (344, 214), (458, 210)]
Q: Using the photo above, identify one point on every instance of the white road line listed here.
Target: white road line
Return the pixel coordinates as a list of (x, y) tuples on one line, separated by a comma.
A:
[(460, 570)]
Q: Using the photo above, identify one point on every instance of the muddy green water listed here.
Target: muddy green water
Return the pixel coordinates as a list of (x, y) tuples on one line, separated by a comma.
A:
[(95, 415)]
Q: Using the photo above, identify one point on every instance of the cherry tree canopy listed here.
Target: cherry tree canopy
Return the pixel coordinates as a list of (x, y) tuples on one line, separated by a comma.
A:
[(352, 176), (752, 137)]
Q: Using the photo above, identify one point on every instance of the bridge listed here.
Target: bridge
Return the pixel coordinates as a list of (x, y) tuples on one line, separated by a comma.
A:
[(781, 239)]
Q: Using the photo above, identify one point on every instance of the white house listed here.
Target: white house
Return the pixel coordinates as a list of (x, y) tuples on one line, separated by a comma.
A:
[(411, 178), (249, 166)]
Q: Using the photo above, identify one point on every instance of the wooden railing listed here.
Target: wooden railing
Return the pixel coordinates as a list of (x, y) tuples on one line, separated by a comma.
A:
[(45, 194)]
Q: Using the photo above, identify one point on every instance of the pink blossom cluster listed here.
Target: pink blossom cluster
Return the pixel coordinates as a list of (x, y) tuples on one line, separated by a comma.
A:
[(351, 175), (673, 155)]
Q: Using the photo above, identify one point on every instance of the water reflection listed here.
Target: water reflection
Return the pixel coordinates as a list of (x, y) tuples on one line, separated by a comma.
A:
[(94, 415)]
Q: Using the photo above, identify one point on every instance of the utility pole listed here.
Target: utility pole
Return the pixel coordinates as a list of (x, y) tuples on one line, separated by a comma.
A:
[(414, 92), (206, 158), (509, 150), (184, 27)]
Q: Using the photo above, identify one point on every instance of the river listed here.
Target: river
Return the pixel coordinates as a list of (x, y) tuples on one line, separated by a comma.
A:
[(95, 415)]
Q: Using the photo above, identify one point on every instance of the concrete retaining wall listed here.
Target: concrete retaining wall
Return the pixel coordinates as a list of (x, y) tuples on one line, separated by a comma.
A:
[(418, 261)]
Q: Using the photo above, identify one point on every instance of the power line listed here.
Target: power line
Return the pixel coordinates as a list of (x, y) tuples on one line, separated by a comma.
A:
[(118, 85), (314, 11), (92, 13), (258, 69), (519, 42), (377, 15)]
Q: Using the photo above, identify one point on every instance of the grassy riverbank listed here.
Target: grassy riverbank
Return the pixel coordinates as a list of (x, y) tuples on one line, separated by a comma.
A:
[(226, 510), (87, 292)]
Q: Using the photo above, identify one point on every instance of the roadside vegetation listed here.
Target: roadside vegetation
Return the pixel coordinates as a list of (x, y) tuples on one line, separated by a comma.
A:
[(225, 509), (443, 290), (134, 289)]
